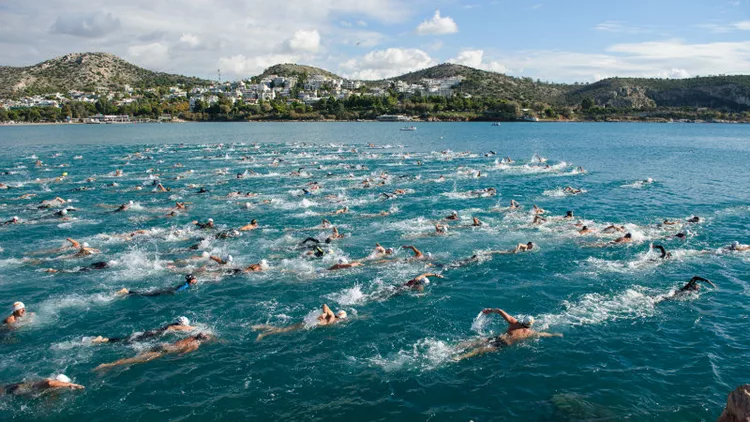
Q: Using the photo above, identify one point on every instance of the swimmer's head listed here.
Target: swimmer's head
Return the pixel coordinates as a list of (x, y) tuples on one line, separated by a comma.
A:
[(253, 221), (343, 261), (131, 202), (628, 235), (190, 278), (228, 258), (389, 251), (205, 255), (341, 314), (585, 228), (649, 180), (263, 264), (14, 218), (19, 308), (63, 378), (319, 251), (530, 245), (85, 244), (569, 214), (735, 244), (183, 321), (210, 220), (425, 281), (63, 212), (428, 255), (202, 337), (527, 321)]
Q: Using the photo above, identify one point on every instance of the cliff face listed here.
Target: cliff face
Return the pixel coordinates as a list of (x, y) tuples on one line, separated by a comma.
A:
[(738, 406)]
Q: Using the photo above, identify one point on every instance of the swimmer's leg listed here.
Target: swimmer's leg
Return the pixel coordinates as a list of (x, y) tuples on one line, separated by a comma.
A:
[(141, 358), (280, 330), (476, 352)]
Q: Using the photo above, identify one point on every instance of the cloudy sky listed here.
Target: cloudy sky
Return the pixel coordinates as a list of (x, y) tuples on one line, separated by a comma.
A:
[(554, 40)]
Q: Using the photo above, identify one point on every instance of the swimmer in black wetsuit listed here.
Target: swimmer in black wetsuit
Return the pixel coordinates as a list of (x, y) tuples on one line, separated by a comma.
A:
[(190, 281), (664, 253), (693, 286), (30, 387), (182, 324)]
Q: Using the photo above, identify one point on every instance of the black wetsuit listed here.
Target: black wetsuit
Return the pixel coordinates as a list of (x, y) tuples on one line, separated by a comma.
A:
[(143, 336), (162, 292)]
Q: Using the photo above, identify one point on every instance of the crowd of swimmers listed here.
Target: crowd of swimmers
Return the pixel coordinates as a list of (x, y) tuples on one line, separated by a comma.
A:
[(518, 328)]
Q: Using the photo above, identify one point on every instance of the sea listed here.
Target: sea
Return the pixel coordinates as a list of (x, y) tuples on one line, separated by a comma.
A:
[(630, 349)]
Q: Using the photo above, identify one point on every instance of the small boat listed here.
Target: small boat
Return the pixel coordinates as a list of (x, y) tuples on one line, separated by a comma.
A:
[(496, 124), (408, 128)]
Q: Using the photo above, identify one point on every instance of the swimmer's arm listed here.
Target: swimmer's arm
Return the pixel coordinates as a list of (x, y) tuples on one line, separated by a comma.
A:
[(696, 279), (509, 319), (545, 334), (73, 243), (60, 384)]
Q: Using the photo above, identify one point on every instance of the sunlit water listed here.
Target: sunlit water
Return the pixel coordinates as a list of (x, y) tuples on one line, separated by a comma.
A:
[(625, 355)]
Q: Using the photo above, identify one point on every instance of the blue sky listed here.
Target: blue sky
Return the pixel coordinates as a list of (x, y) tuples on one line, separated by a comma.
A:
[(562, 41)]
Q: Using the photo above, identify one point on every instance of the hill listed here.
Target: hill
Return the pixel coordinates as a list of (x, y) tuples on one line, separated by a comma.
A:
[(288, 69), (716, 92), (83, 71)]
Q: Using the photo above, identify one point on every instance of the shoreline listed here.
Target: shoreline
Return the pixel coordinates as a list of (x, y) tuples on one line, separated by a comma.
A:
[(17, 124)]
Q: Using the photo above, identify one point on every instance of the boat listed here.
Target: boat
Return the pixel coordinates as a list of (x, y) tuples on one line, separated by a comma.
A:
[(408, 128), (496, 124)]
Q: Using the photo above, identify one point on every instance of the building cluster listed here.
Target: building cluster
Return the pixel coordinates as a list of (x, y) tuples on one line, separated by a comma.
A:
[(309, 90)]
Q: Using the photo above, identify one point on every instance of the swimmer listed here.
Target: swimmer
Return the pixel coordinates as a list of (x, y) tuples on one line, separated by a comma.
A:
[(475, 222), (624, 239), (419, 282), (538, 210), (334, 235), (181, 347), (19, 312), (327, 317), (190, 281), (441, 229), (221, 260), (693, 286), (381, 251), (694, 219), (585, 230), (256, 268), (614, 228), (521, 247), (181, 324), (13, 220), (417, 253), (209, 224), (252, 226), (664, 253), (452, 216), (514, 205), (124, 207), (669, 223), (517, 331), (539, 220), (343, 263), (737, 247), (341, 211), (59, 382), (569, 215), (571, 190)]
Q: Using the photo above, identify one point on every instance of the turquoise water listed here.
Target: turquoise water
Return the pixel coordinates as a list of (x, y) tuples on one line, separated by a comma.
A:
[(624, 355)]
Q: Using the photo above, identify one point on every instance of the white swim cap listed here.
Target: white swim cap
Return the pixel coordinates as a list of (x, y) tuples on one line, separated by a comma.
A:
[(63, 212), (183, 320), (735, 244), (15, 218), (228, 258), (131, 202), (428, 254), (341, 314), (425, 280), (85, 244), (63, 378), (343, 260), (18, 306), (649, 180), (389, 250), (263, 263), (210, 220), (527, 321), (205, 254)]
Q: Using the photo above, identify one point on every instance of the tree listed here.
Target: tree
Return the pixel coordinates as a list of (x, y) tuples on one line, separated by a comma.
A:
[(587, 103)]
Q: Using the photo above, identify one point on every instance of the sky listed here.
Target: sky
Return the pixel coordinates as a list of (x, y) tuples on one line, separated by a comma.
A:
[(551, 40)]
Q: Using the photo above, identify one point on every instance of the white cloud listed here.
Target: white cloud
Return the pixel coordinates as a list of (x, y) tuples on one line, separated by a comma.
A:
[(615, 26), (380, 64), (475, 59), (722, 28), (303, 41), (88, 25), (153, 55), (190, 40), (674, 74), (438, 25), (242, 67)]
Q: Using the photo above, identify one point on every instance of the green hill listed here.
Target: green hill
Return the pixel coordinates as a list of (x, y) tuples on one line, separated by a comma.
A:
[(83, 71)]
